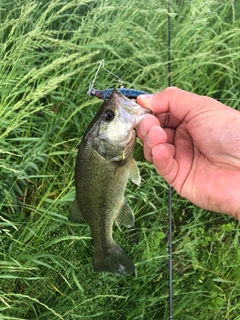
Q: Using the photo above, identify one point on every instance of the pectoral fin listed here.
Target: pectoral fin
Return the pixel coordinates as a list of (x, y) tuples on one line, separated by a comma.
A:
[(126, 216), (75, 213), (134, 173)]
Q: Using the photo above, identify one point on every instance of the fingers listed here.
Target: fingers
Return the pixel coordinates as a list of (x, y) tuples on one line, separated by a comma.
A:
[(156, 148), (172, 162), (165, 164), (150, 121), (173, 108), (155, 136), (145, 125), (160, 153)]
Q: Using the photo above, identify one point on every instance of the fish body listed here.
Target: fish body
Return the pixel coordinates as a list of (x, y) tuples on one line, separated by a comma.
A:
[(103, 166)]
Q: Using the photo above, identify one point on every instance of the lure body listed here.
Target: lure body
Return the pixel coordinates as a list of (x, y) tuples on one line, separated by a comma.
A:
[(105, 94)]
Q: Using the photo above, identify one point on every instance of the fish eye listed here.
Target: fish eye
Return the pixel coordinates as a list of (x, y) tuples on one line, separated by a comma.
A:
[(109, 115)]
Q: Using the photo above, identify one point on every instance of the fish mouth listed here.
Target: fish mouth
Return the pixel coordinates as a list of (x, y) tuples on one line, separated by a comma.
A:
[(132, 112), (129, 110), (141, 116)]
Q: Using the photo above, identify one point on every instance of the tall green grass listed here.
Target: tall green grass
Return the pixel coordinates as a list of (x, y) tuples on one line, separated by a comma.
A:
[(49, 53)]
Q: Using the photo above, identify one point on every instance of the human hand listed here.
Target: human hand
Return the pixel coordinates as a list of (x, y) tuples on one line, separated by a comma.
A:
[(196, 149)]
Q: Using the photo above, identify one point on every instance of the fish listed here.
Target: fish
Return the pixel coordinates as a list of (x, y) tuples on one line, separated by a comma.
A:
[(103, 166)]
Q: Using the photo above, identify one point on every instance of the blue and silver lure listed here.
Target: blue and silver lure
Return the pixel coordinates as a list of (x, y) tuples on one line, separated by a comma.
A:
[(105, 94)]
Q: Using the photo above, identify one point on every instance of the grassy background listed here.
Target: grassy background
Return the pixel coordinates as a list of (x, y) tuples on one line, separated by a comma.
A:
[(49, 52)]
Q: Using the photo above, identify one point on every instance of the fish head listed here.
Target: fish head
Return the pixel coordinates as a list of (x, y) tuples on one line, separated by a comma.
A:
[(113, 129)]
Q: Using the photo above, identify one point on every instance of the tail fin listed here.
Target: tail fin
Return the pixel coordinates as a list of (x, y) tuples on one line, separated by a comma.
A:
[(113, 260)]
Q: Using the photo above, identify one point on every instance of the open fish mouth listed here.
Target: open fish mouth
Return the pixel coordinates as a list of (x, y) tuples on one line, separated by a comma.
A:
[(140, 117), (130, 111)]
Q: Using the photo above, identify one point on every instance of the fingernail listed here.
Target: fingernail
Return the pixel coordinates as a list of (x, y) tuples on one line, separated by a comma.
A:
[(141, 130), (148, 141), (145, 96)]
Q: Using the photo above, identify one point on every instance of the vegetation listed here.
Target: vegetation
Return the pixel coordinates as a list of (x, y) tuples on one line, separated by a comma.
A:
[(49, 53)]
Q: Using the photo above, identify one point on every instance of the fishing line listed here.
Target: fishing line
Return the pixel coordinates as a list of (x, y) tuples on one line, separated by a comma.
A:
[(169, 187)]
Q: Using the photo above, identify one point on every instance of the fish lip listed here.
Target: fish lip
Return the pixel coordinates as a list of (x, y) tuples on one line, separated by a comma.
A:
[(130, 109), (139, 118), (141, 115)]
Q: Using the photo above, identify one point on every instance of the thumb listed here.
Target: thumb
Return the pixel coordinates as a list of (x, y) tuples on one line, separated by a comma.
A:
[(181, 104)]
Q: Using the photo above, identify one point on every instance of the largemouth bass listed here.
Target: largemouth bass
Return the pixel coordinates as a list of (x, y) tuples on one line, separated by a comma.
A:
[(103, 166)]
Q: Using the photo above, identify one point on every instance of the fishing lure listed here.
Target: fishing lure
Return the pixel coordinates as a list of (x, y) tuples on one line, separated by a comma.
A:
[(105, 94)]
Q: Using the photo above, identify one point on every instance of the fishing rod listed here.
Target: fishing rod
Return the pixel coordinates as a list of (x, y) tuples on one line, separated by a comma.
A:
[(169, 187)]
